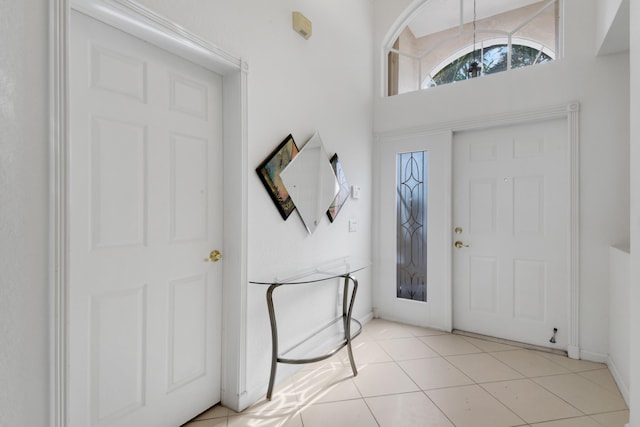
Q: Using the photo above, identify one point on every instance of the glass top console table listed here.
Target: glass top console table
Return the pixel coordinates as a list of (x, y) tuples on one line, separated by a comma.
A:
[(341, 331)]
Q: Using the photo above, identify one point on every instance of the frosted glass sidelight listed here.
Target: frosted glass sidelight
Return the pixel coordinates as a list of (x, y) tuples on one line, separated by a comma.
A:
[(411, 226)]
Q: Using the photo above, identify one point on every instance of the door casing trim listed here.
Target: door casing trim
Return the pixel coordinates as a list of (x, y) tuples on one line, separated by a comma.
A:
[(569, 111), (142, 23)]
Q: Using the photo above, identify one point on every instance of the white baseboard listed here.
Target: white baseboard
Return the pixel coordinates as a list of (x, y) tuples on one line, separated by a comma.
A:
[(573, 352), (366, 319), (622, 385), (594, 357), (408, 320)]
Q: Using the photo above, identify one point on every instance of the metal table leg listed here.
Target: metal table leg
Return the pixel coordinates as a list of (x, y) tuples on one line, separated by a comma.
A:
[(346, 313), (274, 340), (347, 310)]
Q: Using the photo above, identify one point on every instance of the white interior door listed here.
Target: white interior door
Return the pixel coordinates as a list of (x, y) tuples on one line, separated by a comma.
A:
[(431, 220), (511, 205), (145, 210)]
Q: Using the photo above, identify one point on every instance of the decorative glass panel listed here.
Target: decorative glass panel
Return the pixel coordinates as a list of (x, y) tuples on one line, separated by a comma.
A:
[(412, 226)]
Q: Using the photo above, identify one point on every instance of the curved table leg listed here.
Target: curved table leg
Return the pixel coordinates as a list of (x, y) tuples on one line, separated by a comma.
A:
[(274, 340), (346, 313)]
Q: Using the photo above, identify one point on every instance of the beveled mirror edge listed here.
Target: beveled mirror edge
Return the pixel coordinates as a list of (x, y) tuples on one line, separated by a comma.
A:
[(323, 177)]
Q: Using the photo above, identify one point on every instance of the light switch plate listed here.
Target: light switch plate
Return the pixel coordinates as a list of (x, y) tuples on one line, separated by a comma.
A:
[(353, 225), (355, 191)]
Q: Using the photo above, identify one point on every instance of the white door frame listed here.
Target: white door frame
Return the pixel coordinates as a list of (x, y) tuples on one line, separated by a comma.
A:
[(571, 113), (129, 16)]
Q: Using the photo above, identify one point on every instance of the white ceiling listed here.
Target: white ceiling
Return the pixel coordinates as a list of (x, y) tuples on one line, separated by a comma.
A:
[(439, 15)]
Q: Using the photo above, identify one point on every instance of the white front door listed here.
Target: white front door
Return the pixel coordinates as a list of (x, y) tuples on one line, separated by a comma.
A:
[(511, 211), (415, 281), (145, 211)]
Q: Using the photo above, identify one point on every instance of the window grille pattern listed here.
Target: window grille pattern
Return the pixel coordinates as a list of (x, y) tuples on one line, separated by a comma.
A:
[(493, 59), (411, 225)]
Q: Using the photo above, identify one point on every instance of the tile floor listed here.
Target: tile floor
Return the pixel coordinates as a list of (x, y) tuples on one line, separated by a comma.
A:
[(416, 377)]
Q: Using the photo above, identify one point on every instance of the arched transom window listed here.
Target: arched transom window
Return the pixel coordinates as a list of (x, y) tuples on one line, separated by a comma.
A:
[(445, 41)]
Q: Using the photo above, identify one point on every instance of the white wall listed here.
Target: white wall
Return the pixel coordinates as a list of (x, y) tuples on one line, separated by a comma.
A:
[(24, 308), (600, 84), (619, 317), (634, 158), (612, 30), (607, 10), (296, 86)]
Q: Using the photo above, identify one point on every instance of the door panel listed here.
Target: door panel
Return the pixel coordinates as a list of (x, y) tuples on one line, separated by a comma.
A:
[(187, 330), (145, 210), (189, 183), (118, 353), (511, 203), (118, 176)]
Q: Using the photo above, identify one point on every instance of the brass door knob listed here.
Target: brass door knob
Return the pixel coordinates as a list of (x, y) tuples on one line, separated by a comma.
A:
[(214, 256), (459, 245)]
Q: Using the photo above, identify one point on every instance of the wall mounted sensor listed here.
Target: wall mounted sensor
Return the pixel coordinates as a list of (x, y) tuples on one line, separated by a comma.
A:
[(301, 25)]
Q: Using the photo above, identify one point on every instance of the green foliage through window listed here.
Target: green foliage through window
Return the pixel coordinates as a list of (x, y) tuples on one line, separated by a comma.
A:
[(493, 59)]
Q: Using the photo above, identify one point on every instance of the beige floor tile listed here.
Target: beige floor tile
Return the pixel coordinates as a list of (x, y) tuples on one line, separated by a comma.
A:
[(366, 352), (612, 419), (383, 378), (583, 394), (364, 336), (530, 401), (472, 406), (339, 360), (448, 345), (573, 365), (407, 348), (418, 331), (570, 422), (348, 413), (213, 422), (325, 386), (603, 378), (284, 396), (407, 410), (530, 363), (490, 346), (217, 411), (396, 362), (482, 367), (384, 330), (434, 373), (279, 418)]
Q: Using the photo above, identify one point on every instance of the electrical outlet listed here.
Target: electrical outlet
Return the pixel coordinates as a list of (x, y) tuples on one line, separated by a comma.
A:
[(353, 225)]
